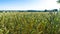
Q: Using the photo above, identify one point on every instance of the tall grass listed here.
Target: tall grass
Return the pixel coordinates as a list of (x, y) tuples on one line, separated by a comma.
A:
[(29, 23)]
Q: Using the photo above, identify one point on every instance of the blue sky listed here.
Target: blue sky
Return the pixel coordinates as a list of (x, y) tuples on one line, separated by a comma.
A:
[(28, 4)]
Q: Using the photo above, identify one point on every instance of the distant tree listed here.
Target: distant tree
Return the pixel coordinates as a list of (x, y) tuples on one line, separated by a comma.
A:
[(1, 11), (55, 10), (45, 10)]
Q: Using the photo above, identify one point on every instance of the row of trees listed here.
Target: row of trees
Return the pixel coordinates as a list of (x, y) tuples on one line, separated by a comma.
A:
[(54, 10)]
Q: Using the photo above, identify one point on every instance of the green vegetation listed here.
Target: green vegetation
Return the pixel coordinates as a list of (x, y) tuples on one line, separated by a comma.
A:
[(58, 1), (29, 23)]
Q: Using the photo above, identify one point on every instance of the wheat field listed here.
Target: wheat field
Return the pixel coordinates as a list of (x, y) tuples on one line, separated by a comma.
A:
[(29, 23)]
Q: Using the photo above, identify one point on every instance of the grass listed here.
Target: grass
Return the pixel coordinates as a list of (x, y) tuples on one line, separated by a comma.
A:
[(29, 23)]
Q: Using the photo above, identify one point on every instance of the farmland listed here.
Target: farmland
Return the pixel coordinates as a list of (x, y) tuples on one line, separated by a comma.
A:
[(29, 23)]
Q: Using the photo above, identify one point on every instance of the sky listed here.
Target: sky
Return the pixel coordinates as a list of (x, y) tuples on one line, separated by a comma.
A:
[(28, 4)]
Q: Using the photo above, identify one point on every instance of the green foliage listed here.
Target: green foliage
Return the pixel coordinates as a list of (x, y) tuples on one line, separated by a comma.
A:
[(58, 1), (29, 23)]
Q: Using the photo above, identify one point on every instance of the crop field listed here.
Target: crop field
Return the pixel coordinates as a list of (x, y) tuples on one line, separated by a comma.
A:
[(29, 23)]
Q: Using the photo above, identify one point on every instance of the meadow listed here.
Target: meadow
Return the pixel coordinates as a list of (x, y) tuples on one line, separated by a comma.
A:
[(29, 23)]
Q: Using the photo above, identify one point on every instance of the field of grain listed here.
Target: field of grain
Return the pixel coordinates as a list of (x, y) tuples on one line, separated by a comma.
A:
[(29, 23)]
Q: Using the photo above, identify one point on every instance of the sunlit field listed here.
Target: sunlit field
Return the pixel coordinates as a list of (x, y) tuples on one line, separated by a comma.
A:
[(29, 23)]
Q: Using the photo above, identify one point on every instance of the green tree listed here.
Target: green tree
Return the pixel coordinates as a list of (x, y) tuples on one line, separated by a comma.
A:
[(58, 1)]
